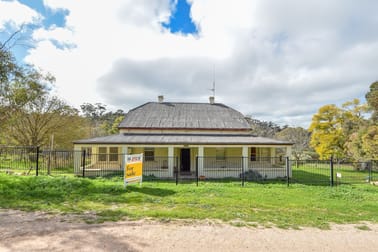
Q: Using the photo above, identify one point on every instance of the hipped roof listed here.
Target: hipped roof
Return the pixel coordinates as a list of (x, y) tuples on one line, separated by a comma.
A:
[(167, 115)]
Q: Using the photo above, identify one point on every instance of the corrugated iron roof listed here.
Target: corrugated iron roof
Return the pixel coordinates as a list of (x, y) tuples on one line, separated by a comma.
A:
[(203, 139), (167, 115)]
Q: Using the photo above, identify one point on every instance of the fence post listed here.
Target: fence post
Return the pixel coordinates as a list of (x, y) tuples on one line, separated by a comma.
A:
[(374, 163), (83, 155), (197, 169), (288, 171), (331, 171), (176, 170), (37, 162), (370, 167), (49, 163), (243, 170)]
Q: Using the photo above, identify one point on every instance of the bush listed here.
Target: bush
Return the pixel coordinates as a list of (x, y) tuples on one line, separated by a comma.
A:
[(251, 175)]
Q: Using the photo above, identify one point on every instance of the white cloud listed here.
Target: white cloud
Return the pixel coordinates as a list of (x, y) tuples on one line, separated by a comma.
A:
[(275, 60), (15, 14)]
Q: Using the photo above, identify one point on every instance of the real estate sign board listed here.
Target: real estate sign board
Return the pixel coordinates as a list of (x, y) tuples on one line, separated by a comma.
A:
[(133, 169)]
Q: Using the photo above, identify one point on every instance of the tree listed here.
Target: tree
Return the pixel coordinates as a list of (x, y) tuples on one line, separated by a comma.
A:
[(93, 111), (372, 101), (34, 122), (343, 132), (262, 128), (29, 114), (370, 142), (8, 67), (75, 127), (326, 132), (370, 138), (300, 137), (353, 145), (103, 123), (8, 72), (352, 116), (33, 116), (112, 127)]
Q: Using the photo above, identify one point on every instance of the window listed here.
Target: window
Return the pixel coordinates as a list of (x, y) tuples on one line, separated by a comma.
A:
[(253, 154), (220, 154), (149, 154), (113, 154), (102, 153)]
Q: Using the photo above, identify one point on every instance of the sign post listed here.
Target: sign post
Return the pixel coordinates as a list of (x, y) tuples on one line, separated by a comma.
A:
[(133, 170), (338, 178)]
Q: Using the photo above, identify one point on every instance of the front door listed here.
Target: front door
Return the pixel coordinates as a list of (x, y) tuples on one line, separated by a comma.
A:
[(185, 160)]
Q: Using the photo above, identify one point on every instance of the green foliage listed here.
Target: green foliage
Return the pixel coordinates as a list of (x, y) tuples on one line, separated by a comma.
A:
[(300, 137), (263, 128), (33, 118), (372, 101), (73, 127), (29, 115), (93, 111), (354, 143), (343, 132), (112, 128), (370, 142), (327, 138), (267, 205), (102, 122)]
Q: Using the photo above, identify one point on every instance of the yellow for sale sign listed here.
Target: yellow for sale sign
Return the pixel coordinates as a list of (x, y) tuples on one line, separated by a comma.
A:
[(133, 171)]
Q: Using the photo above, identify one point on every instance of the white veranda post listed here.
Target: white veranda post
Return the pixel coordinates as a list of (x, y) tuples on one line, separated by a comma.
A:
[(171, 161), (125, 151), (245, 158), (200, 160)]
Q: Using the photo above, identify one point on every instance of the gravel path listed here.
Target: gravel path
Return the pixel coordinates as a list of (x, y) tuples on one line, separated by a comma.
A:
[(24, 231)]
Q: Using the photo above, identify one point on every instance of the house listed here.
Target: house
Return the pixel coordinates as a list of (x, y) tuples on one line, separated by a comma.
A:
[(182, 138)]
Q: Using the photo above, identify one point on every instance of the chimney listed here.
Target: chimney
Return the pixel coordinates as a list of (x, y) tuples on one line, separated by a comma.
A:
[(211, 99), (160, 98)]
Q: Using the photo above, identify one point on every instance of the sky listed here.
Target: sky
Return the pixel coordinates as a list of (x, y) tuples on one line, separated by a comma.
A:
[(276, 61)]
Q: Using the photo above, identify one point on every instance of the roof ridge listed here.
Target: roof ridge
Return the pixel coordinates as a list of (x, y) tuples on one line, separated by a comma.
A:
[(184, 115), (138, 107), (216, 103), (183, 134)]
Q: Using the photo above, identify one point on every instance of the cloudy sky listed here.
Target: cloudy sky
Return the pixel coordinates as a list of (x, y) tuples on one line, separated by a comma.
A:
[(273, 60)]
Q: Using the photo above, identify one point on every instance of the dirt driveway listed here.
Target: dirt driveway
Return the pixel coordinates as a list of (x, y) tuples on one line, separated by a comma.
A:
[(21, 231)]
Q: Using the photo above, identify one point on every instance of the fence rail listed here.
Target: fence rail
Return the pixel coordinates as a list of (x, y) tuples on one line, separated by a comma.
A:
[(35, 161)]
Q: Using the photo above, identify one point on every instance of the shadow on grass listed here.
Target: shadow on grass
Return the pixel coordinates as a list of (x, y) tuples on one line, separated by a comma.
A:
[(151, 191), (309, 178)]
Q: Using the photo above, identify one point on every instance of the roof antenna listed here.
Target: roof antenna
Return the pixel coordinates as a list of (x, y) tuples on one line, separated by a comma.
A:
[(213, 89)]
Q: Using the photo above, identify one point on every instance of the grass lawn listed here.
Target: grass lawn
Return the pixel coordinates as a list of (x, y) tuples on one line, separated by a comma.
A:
[(319, 173), (255, 204)]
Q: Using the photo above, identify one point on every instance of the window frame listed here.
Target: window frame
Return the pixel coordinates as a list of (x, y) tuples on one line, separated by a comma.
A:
[(102, 156), (113, 156), (253, 154), (149, 154)]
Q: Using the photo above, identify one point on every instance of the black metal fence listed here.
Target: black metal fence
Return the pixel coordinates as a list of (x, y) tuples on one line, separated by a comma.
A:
[(98, 165), (35, 161), (330, 172)]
